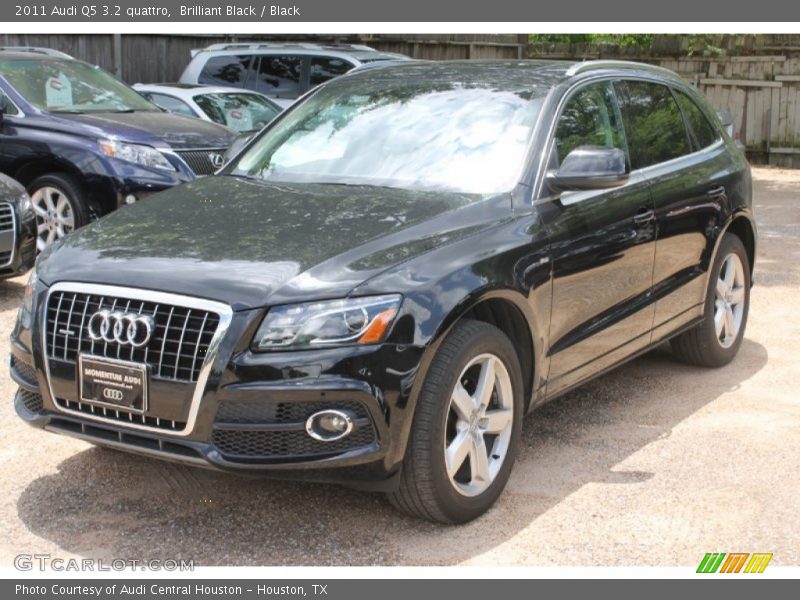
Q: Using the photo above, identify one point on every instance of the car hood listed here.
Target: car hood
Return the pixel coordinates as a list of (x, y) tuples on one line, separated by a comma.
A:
[(249, 243), (152, 128)]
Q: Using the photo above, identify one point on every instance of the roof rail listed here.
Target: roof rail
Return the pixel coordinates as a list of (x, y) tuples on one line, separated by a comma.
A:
[(304, 45), (592, 65)]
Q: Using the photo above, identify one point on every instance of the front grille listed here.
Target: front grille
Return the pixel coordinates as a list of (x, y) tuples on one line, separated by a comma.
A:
[(7, 227), (269, 429), (296, 444), (25, 371), (121, 415), (31, 401), (176, 350), (199, 161), (6, 217)]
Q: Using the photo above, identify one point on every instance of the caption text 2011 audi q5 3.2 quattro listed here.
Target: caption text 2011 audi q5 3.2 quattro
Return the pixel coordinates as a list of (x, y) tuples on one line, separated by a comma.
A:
[(398, 268)]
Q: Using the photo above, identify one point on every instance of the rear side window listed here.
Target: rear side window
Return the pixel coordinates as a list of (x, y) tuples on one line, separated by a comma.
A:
[(279, 75), (226, 70), (589, 118), (324, 68), (653, 123), (701, 130)]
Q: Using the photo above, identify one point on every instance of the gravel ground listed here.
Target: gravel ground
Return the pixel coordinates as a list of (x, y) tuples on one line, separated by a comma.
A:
[(656, 463)]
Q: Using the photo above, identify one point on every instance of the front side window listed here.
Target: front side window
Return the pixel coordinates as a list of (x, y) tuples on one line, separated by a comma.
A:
[(171, 103), (239, 111), (226, 70), (653, 123), (323, 68), (408, 134), (589, 118), (71, 86), (702, 132), (279, 76)]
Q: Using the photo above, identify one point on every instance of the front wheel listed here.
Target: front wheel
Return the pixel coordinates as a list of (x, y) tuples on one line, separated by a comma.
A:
[(60, 205), (715, 341), (466, 429)]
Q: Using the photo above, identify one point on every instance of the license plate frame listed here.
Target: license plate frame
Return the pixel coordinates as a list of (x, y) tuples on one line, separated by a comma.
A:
[(118, 384)]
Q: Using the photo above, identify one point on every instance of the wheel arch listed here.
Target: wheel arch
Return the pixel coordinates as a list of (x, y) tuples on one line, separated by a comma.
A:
[(742, 226), (509, 311), (30, 170)]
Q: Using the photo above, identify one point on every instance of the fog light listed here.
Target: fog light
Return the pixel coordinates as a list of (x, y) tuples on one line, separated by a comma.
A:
[(130, 199), (329, 425)]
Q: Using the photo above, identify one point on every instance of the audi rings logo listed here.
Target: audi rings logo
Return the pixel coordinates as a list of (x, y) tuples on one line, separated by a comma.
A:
[(127, 329), (112, 394)]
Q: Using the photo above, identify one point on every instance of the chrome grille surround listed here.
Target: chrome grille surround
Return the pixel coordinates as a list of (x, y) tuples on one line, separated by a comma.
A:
[(223, 311), (8, 222)]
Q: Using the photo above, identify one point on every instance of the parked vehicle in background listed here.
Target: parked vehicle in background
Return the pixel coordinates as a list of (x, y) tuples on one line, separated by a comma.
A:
[(36, 50), (283, 71), (389, 276), (17, 229), (83, 143), (243, 111)]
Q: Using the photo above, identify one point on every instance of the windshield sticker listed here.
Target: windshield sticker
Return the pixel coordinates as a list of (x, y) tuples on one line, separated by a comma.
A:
[(238, 119), (58, 92)]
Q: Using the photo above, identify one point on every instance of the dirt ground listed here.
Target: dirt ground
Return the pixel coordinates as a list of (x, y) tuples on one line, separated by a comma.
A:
[(656, 463)]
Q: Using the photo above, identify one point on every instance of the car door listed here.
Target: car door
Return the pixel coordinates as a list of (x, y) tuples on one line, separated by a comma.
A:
[(674, 146), (602, 250)]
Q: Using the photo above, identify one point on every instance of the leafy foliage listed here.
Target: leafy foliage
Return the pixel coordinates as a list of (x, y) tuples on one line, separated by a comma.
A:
[(617, 39)]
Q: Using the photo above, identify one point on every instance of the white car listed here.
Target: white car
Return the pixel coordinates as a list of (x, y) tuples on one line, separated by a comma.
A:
[(241, 110)]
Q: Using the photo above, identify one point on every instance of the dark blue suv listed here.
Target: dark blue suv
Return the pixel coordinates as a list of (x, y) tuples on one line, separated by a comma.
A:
[(83, 143)]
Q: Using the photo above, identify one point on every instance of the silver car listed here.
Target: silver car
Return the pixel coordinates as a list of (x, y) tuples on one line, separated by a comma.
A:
[(283, 71)]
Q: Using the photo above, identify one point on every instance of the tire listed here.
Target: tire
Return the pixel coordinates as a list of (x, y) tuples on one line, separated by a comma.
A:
[(53, 221), (704, 345), (426, 489)]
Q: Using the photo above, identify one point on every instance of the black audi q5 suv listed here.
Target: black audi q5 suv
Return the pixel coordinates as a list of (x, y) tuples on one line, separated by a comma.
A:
[(389, 276)]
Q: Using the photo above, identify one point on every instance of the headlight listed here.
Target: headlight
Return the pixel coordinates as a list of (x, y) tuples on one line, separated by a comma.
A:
[(330, 323), (26, 308), (26, 211), (136, 153)]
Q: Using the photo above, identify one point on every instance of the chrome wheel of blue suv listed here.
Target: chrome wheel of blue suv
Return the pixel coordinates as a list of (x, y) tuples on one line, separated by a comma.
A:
[(60, 208)]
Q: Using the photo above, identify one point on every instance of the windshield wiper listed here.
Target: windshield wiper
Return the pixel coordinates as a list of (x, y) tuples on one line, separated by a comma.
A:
[(67, 112)]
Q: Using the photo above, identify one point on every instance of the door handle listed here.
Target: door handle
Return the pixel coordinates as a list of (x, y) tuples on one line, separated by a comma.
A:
[(716, 191), (644, 216)]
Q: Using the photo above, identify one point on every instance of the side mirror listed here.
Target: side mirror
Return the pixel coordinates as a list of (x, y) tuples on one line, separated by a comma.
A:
[(237, 145), (589, 168)]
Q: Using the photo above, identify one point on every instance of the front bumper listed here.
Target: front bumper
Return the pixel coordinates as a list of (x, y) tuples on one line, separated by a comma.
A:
[(253, 408)]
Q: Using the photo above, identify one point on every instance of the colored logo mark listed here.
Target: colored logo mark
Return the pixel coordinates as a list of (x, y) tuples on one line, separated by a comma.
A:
[(734, 562)]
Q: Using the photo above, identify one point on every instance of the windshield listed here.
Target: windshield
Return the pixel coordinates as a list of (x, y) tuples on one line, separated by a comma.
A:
[(239, 111), (448, 136), (71, 86)]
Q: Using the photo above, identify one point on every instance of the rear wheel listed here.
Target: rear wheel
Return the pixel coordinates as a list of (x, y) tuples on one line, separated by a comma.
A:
[(466, 427), (715, 341), (61, 207)]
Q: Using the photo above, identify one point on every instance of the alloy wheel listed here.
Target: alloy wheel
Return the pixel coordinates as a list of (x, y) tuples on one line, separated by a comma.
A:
[(479, 425), (54, 215), (729, 302)]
